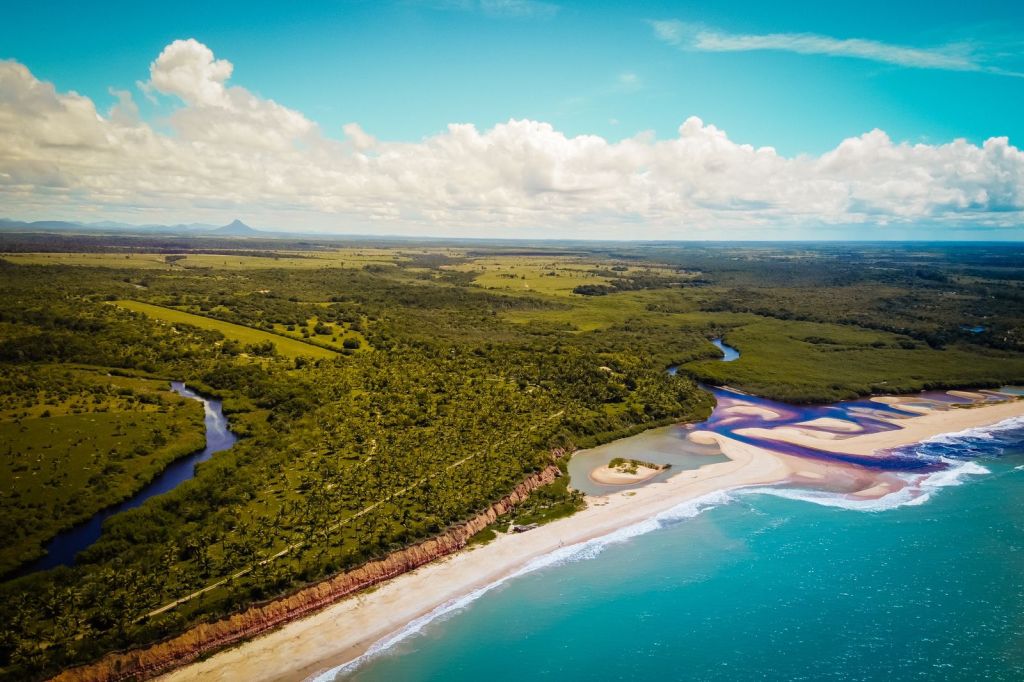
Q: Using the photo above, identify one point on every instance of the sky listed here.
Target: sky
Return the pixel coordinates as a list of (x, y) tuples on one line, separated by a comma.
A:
[(520, 118)]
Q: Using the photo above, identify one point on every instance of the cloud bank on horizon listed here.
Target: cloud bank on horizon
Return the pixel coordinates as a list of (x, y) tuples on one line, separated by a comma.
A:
[(225, 149)]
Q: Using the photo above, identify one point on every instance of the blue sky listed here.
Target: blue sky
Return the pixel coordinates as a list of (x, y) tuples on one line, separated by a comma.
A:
[(404, 71)]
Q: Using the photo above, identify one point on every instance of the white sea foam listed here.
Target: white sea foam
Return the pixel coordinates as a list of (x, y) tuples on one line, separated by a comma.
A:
[(976, 433), (917, 491), (903, 497), (562, 555)]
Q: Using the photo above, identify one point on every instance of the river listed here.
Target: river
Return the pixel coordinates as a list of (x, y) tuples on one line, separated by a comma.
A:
[(65, 546)]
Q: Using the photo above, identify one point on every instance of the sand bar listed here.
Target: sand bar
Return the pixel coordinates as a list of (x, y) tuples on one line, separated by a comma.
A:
[(832, 424), (750, 410), (617, 476), (910, 430)]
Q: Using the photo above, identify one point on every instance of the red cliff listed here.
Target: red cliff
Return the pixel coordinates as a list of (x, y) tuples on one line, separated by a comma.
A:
[(145, 663)]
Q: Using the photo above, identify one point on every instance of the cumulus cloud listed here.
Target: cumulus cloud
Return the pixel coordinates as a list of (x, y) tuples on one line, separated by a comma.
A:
[(959, 57), (228, 149), (187, 68)]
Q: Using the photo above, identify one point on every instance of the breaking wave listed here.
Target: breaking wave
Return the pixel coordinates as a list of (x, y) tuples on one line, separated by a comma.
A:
[(918, 490)]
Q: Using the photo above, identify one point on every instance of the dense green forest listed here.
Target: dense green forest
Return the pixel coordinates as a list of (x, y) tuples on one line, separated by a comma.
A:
[(466, 367)]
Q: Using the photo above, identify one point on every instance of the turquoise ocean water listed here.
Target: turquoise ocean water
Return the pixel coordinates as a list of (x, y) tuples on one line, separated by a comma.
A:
[(752, 585)]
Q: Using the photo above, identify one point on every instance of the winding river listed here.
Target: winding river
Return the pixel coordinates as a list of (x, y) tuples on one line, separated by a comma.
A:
[(728, 352), (62, 549)]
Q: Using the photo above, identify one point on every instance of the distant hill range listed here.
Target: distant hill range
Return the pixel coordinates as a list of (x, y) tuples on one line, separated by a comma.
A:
[(234, 229)]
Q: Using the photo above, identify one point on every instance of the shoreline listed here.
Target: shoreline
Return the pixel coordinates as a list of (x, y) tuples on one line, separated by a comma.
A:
[(909, 430), (346, 630)]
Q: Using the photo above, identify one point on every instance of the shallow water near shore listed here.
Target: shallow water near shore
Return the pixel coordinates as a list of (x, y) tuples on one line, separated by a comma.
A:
[(767, 584)]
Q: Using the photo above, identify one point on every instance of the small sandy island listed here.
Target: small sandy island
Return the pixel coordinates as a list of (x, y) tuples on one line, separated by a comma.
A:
[(832, 424), (624, 473), (752, 411), (344, 631)]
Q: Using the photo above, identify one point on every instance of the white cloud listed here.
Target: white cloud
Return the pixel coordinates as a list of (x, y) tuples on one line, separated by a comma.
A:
[(229, 151), (187, 68), (697, 37)]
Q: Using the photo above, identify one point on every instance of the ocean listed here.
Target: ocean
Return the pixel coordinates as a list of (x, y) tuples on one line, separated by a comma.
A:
[(762, 584)]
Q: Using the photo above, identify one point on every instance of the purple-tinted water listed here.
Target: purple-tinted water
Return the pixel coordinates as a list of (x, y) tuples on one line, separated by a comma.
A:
[(868, 416)]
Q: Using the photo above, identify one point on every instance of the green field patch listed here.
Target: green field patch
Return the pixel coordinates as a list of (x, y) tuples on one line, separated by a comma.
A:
[(288, 347), (334, 335), (550, 276), (243, 260), (591, 313)]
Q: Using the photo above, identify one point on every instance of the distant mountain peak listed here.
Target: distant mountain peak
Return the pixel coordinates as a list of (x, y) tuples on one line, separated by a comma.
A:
[(236, 227)]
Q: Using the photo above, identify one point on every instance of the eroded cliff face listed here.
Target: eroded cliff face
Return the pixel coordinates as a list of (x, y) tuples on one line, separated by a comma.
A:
[(139, 664)]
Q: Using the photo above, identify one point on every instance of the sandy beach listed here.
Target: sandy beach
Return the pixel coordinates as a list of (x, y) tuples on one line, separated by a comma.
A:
[(911, 429), (346, 630)]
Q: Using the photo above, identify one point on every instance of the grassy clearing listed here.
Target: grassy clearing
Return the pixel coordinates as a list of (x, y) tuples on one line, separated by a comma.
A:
[(790, 360), (551, 276), (289, 347), (591, 313), (335, 336), (305, 260)]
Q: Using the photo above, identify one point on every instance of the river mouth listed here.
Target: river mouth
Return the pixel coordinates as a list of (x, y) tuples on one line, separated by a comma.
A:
[(62, 549), (670, 445), (666, 445)]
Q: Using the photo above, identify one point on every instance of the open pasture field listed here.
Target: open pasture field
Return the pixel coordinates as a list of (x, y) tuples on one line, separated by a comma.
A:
[(286, 346), (821, 362), (549, 275), (243, 260)]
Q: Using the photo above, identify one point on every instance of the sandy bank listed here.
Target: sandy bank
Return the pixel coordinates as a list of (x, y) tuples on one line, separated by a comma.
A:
[(752, 411), (832, 424), (908, 431), (615, 476)]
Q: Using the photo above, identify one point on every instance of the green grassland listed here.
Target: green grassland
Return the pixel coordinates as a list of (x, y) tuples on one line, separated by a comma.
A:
[(286, 346), (325, 333), (243, 260), (546, 275), (76, 444), (473, 364)]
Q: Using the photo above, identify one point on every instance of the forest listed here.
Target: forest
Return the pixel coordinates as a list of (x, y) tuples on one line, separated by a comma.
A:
[(397, 389)]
